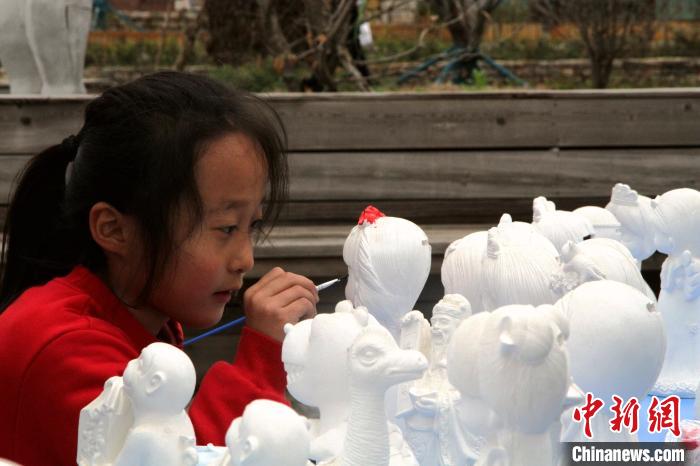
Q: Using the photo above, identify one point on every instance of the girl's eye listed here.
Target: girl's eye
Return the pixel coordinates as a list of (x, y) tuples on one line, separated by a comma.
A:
[(228, 229), (256, 225)]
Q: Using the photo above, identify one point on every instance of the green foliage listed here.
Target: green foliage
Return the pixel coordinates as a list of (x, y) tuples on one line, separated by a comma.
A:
[(137, 53), (252, 76)]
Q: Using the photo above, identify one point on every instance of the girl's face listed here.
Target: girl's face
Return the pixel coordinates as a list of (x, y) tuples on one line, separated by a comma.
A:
[(210, 264)]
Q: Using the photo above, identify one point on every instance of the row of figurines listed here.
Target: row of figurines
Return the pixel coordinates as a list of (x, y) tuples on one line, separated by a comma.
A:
[(472, 389), (494, 391)]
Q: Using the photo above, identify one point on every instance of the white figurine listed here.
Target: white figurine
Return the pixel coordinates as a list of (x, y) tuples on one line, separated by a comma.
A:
[(268, 434), (473, 423), (425, 404), (388, 261), (42, 45), (598, 259), (604, 223), (156, 388), (559, 226), (315, 356), (636, 221), (518, 268), (375, 364), (462, 268), (523, 376), (677, 221), (616, 346)]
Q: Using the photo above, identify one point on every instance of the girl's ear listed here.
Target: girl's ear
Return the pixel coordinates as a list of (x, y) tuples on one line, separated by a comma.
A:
[(113, 231)]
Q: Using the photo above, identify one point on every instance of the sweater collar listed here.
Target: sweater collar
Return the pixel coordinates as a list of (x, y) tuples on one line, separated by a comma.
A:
[(109, 307)]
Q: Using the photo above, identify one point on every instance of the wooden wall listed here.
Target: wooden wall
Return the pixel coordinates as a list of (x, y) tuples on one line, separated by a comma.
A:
[(450, 162)]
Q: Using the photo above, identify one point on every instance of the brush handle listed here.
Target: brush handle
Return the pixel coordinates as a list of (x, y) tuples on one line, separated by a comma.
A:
[(233, 323)]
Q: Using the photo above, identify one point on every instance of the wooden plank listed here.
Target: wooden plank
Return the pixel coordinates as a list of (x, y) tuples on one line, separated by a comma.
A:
[(534, 119), (488, 174), (453, 176)]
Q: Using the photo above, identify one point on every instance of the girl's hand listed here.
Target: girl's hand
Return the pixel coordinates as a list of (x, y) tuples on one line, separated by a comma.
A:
[(279, 298)]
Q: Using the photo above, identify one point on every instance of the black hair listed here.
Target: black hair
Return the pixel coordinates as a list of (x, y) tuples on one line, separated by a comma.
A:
[(136, 151)]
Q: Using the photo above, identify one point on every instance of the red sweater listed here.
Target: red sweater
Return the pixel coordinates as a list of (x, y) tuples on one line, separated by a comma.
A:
[(61, 341)]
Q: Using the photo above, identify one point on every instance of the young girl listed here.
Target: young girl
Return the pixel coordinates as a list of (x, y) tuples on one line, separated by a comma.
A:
[(143, 221)]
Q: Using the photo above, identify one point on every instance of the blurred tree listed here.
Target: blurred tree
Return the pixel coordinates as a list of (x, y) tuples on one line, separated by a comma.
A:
[(608, 28), (465, 19), (314, 33)]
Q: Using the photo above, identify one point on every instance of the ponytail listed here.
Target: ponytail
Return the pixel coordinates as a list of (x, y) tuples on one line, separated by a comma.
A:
[(32, 249)]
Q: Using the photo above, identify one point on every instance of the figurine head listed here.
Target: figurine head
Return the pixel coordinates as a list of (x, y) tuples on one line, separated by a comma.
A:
[(523, 366), (607, 322), (636, 220), (314, 353), (677, 221), (518, 270), (559, 226), (161, 380), (375, 360), (448, 313), (605, 225), (268, 434), (388, 261), (462, 271)]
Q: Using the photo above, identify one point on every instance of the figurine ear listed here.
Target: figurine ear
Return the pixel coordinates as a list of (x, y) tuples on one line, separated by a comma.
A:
[(505, 335), (155, 381), (250, 446), (361, 315), (506, 219)]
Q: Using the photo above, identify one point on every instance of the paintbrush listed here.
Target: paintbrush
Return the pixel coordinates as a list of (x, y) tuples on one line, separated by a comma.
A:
[(235, 322)]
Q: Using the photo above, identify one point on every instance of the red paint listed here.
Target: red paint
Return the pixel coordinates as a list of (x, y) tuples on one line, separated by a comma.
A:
[(370, 214)]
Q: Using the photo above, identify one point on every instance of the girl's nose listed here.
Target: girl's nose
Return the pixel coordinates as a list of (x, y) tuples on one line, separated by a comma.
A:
[(242, 256)]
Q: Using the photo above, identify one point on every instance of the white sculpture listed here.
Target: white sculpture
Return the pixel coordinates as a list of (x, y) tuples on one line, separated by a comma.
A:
[(268, 434), (462, 268), (677, 222), (42, 45), (518, 268), (524, 378), (559, 226), (315, 356), (598, 259), (473, 422), (636, 221), (155, 389), (388, 261), (604, 223), (375, 364), (616, 346), (426, 404)]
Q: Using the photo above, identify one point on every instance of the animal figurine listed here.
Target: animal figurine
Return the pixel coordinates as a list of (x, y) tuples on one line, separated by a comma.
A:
[(315, 356), (375, 364), (518, 269), (425, 404), (559, 226), (604, 223), (616, 345), (42, 45), (635, 215), (524, 378), (140, 418), (268, 434), (462, 268), (388, 261), (677, 223), (598, 259)]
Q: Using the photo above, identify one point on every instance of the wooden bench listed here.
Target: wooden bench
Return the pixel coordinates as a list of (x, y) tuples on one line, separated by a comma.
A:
[(453, 163)]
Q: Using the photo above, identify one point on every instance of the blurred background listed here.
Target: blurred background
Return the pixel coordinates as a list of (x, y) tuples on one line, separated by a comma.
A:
[(398, 45)]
